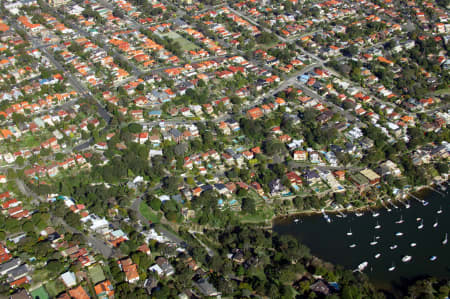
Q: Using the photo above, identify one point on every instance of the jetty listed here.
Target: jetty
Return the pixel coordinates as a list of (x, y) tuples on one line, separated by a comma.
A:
[(415, 197), (435, 190)]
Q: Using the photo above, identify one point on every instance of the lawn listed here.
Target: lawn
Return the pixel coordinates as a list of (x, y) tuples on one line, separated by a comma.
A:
[(441, 92), (184, 43), (54, 287), (40, 293), (96, 274), (148, 213), (41, 274)]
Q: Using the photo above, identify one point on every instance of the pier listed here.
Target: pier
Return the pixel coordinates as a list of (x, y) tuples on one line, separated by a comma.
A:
[(437, 191)]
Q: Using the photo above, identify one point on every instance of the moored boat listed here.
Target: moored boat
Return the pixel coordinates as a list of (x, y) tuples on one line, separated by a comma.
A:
[(399, 234), (377, 226), (352, 245), (377, 255), (435, 224), (445, 240), (420, 225), (393, 247), (349, 233), (392, 268), (406, 258), (362, 266), (413, 244), (433, 258)]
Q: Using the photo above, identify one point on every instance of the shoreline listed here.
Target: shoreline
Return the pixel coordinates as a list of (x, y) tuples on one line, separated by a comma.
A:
[(401, 197)]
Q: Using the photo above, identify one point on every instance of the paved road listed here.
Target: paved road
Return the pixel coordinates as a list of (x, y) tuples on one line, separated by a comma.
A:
[(208, 250), (77, 85), (95, 242), (163, 231)]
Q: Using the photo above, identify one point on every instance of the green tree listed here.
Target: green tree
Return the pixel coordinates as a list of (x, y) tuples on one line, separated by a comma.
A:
[(248, 205)]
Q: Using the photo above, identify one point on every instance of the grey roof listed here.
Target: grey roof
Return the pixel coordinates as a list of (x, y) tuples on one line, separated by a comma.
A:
[(206, 288), (9, 265), (18, 272), (175, 133)]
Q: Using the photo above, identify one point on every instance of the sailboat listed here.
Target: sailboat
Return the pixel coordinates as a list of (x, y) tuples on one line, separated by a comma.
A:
[(433, 258), (445, 240), (439, 211), (400, 221), (393, 247), (392, 268), (352, 245), (413, 244), (349, 233), (361, 266), (435, 224), (376, 214), (420, 225), (374, 242), (325, 216), (399, 234), (377, 226), (377, 255), (406, 258)]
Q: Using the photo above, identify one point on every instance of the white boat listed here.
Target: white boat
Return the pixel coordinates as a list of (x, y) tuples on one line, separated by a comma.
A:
[(393, 247), (374, 242), (362, 266), (376, 214), (377, 226), (349, 233), (399, 234), (418, 219), (325, 216), (435, 224), (439, 211), (377, 237), (400, 221), (352, 245), (296, 220), (406, 258), (445, 240), (407, 205), (377, 255), (420, 225), (425, 203), (359, 214), (413, 244), (392, 268), (433, 258)]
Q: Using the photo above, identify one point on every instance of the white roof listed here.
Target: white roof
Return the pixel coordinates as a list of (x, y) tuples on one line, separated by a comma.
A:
[(157, 269), (69, 279)]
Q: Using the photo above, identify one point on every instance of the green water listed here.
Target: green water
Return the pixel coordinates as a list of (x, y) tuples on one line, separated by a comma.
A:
[(330, 241)]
